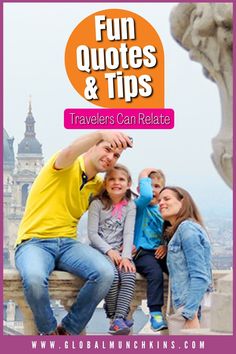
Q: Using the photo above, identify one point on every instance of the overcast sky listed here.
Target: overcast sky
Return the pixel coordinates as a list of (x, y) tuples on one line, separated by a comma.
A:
[(35, 37)]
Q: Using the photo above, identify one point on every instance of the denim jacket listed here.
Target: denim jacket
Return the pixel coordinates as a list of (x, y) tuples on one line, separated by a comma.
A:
[(189, 264)]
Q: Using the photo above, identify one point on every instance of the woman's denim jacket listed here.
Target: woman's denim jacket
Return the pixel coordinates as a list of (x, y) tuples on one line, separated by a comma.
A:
[(189, 264)]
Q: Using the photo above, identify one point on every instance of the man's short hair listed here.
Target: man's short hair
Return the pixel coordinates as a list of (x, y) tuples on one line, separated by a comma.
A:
[(99, 142)]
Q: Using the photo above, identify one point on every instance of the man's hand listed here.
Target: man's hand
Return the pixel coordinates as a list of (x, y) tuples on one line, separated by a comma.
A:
[(161, 252), (127, 265), (116, 139), (115, 256)]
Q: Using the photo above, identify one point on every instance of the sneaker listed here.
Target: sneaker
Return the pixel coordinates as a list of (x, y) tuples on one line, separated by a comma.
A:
[(119, 326), (157, 321), (129, 323)]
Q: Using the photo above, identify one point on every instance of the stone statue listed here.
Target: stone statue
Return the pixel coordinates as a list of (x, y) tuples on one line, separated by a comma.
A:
[(205, 30)]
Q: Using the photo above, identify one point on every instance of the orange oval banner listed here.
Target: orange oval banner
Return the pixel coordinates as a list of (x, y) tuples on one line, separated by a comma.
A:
[(115, 58)]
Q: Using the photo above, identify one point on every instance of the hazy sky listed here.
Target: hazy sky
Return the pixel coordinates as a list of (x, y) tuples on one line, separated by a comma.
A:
[(35, 37)]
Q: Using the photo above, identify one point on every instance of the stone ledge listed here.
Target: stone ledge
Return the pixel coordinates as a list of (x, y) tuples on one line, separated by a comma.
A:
[(61, 284), (64, 286)]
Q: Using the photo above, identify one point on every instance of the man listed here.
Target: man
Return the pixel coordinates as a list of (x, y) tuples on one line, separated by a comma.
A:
[(47, 234)]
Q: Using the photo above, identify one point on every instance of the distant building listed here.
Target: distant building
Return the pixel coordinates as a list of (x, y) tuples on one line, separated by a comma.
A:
[(18, 175)]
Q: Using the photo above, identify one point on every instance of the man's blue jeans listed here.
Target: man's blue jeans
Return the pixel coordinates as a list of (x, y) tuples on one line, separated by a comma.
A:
[(37, 258)]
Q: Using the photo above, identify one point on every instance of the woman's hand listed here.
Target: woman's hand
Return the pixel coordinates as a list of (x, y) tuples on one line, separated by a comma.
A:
[(161, 252), (115, 256), (127, 265), (194, 323)]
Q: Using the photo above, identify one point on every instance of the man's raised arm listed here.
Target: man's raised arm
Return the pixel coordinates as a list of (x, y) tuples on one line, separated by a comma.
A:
[(81, 145)]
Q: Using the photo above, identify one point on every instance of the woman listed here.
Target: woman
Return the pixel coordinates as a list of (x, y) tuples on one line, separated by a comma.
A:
[(189, 253)]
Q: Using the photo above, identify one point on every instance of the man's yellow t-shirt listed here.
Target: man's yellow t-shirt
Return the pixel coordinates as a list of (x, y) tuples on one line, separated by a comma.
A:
[(57, 200)]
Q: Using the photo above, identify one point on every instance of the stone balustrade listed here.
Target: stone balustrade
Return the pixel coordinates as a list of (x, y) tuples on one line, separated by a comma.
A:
[(64, 287)]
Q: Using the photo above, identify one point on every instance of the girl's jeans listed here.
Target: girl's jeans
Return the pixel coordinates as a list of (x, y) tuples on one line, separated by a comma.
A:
[(37, 258)]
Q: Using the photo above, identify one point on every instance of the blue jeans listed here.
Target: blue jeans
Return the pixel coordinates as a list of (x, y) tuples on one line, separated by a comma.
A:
[(37, 258)]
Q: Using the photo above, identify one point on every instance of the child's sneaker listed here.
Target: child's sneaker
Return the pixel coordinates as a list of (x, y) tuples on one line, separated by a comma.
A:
[(157, 321), (129, 323), (119, 326)]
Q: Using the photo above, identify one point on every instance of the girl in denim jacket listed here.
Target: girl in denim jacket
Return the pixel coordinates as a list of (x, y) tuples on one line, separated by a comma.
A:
[(189, 253)]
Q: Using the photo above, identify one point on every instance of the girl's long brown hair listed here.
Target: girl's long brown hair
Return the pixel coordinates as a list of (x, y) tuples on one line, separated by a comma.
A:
[(188, 210), (103, 195)]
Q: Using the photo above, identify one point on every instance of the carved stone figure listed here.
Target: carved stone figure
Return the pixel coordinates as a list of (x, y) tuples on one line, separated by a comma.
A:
[(205, 30)]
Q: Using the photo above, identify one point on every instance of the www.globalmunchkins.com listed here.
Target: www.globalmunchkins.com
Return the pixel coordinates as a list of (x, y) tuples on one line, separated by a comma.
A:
[(135, 344)]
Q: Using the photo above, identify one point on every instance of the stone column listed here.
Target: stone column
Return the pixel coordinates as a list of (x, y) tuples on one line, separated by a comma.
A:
[(205, 30), (11, 311), (28, 319), (222, 306)]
